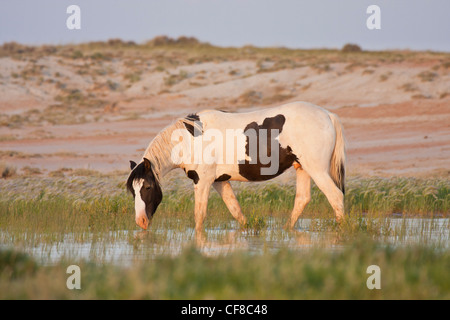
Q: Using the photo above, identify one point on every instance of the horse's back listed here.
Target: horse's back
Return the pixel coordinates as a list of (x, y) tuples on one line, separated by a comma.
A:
[(295, 113)]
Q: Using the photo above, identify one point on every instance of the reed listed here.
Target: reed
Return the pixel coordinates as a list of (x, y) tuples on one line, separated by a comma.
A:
[(101, 203)]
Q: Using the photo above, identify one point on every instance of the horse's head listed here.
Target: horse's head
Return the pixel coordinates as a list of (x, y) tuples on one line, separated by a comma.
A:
[(146, 191)]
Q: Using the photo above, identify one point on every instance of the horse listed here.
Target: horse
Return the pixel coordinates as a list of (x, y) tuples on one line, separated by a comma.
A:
[(215, 147)]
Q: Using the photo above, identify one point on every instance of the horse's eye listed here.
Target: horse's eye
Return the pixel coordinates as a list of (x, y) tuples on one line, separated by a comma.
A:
[(148, 188)]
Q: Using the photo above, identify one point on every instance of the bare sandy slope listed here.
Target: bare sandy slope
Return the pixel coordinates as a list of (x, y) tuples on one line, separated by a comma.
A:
[(396, 115)]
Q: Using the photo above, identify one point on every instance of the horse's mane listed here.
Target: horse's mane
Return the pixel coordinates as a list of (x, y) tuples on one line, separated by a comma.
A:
[(159, 150)]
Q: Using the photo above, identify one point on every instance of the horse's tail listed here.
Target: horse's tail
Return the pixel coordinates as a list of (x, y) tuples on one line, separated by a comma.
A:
[(337, 164)]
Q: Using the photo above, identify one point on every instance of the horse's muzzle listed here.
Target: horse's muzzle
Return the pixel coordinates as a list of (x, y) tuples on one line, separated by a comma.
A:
[(142, 221)]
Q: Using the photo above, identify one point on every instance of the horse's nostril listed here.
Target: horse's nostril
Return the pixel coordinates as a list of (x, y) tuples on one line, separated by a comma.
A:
[(142, 222)]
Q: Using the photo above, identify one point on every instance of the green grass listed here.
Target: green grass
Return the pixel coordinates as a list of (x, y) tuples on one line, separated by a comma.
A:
[(319, 260), (83, 199), (97, 206), (406, 273)]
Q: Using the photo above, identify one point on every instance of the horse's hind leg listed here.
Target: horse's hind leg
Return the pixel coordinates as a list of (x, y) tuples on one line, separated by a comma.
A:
[(227, 194), (302, 196), (332, 192)]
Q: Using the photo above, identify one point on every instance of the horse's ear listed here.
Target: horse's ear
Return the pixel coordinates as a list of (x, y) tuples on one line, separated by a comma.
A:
[(132, 164), (147, 164)]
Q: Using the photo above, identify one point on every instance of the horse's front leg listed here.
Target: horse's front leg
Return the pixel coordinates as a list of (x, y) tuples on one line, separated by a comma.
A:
[(201, 190)]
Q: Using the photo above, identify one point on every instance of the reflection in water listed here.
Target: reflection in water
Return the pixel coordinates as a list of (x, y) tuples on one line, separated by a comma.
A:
[(210, 246), (128, 246)]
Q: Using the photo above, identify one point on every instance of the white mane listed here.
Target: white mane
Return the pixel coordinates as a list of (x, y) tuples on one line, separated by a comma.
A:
[(160, 148)]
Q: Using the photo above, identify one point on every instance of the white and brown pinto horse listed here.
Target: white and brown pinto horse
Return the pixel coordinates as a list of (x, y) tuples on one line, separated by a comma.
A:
[(263, 144)]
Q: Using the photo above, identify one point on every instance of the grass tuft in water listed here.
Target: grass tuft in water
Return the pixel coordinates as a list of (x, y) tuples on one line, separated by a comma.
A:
[(255, 224)]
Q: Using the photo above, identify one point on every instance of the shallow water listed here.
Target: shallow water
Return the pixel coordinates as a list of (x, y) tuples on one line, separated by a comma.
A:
[(128, 246)]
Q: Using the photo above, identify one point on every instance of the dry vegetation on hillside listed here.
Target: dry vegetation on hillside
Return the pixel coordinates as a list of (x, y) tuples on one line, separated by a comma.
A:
[(110, 98)]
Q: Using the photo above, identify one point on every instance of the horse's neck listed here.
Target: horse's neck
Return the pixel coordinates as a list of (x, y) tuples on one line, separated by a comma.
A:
[(159, 152), (160, 168), (165, 169)]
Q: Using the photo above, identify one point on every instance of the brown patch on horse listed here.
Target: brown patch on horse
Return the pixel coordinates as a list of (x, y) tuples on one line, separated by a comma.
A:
[(224, 177), (192, 174), (252, 171), (195, 132)]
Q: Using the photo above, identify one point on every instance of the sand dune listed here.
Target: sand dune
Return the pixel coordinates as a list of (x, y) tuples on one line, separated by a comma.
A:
[(96, 107)]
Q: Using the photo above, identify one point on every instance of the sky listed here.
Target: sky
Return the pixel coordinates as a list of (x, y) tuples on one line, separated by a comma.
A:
[(405, 24)]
